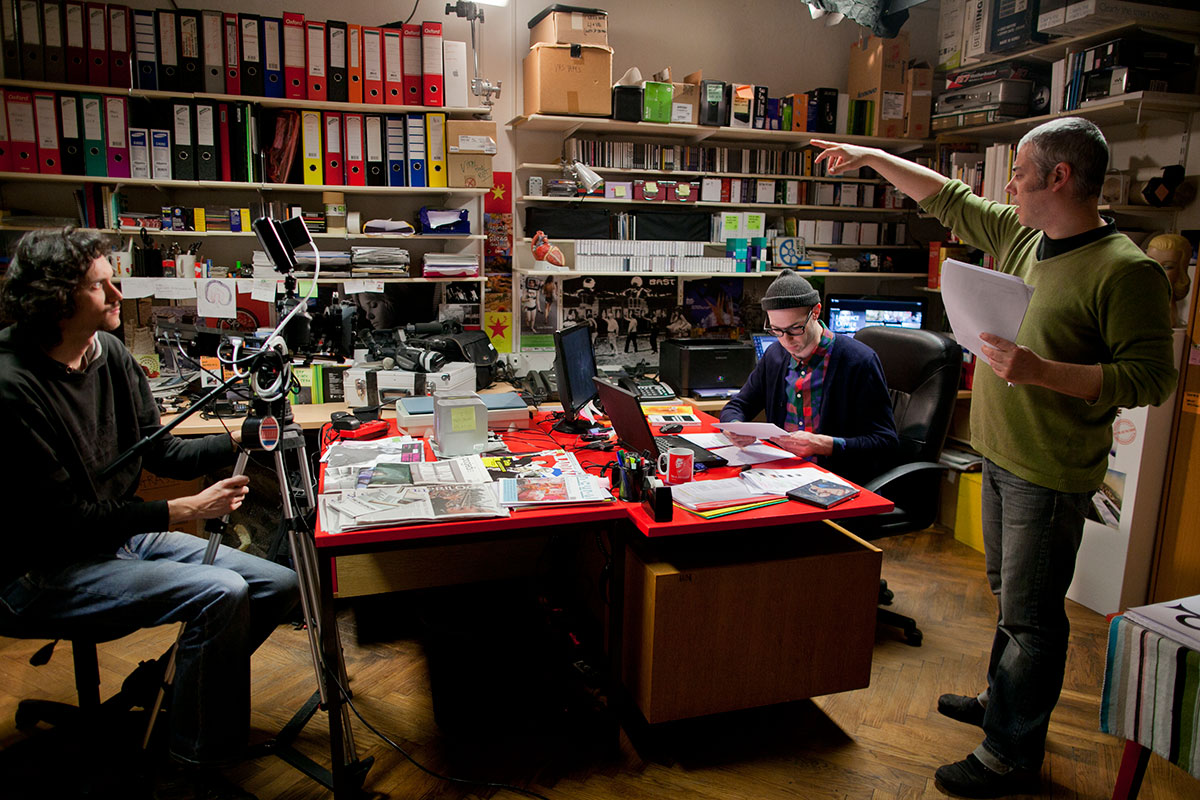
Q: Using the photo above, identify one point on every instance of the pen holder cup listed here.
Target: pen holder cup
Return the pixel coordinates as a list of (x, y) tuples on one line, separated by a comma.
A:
[(629, 483)]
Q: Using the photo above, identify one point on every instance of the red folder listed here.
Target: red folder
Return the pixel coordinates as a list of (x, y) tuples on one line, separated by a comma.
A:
[(393, 68), (45, 112), (223, 122), (295, 68), (120, 46), (116, 135), (335, 168), (412, 65), (432, 86), (5, 144), (356, 168), (372, 65), (22, 131), (97, 43), (233, 68), (354, 62), (314, 51)]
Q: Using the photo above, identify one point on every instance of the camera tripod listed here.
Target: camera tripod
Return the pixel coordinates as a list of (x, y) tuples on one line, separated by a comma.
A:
[(270, 428)]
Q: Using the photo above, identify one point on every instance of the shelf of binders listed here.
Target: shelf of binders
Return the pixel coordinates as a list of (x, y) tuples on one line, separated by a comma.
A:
[(1134, 107), (693, 174), (332, 280), (423, 191), (702, 204), (817, 247), (265, 102), (250, 234), (696, 133), (571, 273)]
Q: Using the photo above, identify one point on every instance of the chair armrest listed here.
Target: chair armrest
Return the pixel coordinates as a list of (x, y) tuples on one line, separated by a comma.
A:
[(895, 473)]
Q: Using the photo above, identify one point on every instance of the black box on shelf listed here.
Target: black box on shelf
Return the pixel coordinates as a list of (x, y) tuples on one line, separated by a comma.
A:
[(714, 103), (627, 103)]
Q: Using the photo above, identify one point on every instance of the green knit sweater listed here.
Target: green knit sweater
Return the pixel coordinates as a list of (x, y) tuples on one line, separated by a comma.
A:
[(1103, 303)]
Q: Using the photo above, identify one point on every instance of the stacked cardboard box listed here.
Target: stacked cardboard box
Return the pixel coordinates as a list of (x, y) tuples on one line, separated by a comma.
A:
[(470, 147), (569, 66), (877, 68)]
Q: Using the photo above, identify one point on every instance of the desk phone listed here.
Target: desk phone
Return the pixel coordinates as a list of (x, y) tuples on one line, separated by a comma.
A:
[(646, 389)]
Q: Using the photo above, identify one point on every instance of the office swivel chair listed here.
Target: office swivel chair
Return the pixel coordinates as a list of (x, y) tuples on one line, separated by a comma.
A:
[(922, 370)]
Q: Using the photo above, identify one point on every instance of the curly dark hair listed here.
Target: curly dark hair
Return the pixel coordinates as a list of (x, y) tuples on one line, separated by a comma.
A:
[(38, 291)]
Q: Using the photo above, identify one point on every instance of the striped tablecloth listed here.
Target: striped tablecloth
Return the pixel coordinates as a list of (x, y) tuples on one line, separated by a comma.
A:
[(1152, 693)]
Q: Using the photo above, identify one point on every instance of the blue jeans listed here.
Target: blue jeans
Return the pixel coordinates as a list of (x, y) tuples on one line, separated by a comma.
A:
[(1031, 535), (229, 607)]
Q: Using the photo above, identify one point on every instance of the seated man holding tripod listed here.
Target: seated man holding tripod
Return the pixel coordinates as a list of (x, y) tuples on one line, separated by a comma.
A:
[(83, 552)]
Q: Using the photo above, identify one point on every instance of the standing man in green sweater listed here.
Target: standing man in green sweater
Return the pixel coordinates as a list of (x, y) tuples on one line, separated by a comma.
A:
[(1096, 338)]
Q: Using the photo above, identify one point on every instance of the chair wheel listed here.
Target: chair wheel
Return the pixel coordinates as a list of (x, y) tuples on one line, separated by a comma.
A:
[(913, 637), (25, 718)]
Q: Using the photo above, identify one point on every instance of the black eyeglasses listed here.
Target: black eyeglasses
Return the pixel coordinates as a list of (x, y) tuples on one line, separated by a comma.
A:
[(790, 330)]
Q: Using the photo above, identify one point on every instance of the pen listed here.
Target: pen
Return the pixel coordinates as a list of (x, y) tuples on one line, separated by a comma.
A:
[(1010, 384)]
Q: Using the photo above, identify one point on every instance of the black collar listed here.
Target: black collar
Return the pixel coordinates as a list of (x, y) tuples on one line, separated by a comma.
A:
[(1049, 248)]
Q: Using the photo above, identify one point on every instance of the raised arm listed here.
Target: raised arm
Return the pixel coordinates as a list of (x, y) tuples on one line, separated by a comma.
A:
[(914, 180)]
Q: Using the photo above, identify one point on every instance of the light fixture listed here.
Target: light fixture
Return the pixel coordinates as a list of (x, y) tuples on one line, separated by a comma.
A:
[(583, 175), (480, 87)]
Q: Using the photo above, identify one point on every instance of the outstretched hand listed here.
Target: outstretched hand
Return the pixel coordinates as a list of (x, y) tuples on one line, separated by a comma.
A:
[(840, 157)]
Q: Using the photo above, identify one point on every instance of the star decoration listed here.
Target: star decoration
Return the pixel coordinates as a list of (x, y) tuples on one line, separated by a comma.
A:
[(498, 328), (498, 192)]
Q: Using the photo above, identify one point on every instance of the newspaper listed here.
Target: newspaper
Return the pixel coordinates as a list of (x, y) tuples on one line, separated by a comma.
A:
[(1178, 620), (552, 490), (541, 464), (407, 505)]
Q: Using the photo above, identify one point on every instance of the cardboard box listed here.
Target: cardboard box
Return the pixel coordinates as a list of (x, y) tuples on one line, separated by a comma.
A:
[(977, 23), (470, 136), (950, 29), (1014, 27), (656, 101), (580, 26), (877, 69), (685, 103), (469, 170), (918, 102), (568, 79)]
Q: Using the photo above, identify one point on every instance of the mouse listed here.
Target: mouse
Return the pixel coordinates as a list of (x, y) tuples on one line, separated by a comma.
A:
[(671, 427)]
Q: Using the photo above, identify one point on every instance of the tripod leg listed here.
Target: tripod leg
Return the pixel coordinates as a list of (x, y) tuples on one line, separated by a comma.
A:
[(216, 532)]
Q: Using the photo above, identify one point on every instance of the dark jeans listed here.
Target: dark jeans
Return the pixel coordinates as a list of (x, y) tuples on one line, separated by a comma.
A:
[(1031, 535)]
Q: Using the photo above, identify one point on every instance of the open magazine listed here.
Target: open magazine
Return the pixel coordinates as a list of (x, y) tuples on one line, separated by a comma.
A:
[(541, 464), (387, 470), (402, 505), (551, 490)]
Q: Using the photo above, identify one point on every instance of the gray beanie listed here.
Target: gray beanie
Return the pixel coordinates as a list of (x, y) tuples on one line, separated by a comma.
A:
[(790, 290)]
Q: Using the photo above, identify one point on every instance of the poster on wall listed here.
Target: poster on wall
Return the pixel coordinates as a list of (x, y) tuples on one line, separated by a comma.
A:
[(498, 224), (497, 311), (628, 315), (714, 306), (538, 307), (461, 302)]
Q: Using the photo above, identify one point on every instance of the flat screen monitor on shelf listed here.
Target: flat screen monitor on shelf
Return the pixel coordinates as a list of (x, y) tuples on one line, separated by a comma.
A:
[(849, 314), (574, 368)]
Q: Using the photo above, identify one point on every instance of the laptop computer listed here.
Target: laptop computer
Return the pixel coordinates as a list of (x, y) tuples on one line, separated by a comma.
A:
[(625, 412), (761, 342)]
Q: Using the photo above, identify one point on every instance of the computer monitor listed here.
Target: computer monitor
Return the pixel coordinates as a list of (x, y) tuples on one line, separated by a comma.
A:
[(761, 342), (848, 314), (574, 368)]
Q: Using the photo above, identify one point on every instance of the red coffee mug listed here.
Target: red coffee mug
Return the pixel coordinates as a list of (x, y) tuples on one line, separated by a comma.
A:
[(675, 465)]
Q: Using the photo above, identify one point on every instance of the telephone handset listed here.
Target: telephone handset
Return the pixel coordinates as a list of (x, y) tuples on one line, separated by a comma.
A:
[(542, 384), (646, 389)]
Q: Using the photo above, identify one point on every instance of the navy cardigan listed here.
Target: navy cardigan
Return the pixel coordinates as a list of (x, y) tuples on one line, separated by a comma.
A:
[(855, 406)]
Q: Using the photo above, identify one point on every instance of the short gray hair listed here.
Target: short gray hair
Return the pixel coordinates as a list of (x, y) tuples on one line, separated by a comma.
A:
[(1075, 141)]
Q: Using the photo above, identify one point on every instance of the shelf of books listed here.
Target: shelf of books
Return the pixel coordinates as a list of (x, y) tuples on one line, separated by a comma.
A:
[(811, 245), (666, 173), (1134, 107), (562, 273), (568, 126), (833, 209)]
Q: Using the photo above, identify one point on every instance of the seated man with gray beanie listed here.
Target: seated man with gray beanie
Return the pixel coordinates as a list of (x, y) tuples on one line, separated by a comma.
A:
[(827, 391)]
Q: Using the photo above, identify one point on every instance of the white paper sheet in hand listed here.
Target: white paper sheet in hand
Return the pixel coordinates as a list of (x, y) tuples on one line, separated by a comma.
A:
[(979, 300), (759, 430)]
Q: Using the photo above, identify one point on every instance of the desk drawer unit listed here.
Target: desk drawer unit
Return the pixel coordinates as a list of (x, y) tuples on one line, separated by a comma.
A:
[(707, 634)]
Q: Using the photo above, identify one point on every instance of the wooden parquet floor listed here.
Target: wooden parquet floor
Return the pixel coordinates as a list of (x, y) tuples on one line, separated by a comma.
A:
[(879, 743)]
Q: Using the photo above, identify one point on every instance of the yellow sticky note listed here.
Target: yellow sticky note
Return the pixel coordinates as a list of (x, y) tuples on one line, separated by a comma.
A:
[(462, 419)]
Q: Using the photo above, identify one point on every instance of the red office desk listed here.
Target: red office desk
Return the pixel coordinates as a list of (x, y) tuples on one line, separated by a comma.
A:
[(831, 631)]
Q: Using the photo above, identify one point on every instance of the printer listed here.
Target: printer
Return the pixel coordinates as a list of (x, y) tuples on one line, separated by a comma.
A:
[(687, 365)]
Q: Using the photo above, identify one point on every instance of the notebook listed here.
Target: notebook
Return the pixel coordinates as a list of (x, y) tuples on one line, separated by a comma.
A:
[(625, 412)]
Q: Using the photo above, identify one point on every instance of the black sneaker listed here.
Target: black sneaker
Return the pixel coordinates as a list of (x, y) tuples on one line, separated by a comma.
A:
[(962, 708), (970, 778)]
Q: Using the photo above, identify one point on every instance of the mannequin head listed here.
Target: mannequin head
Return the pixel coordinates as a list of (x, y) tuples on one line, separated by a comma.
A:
[(1174, 252)]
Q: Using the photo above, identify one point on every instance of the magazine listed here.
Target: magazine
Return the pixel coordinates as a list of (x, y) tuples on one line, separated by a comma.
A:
[(1178, 620), (662, 415), (406, 505), (751, 486), (552, 490), (541, 464)]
